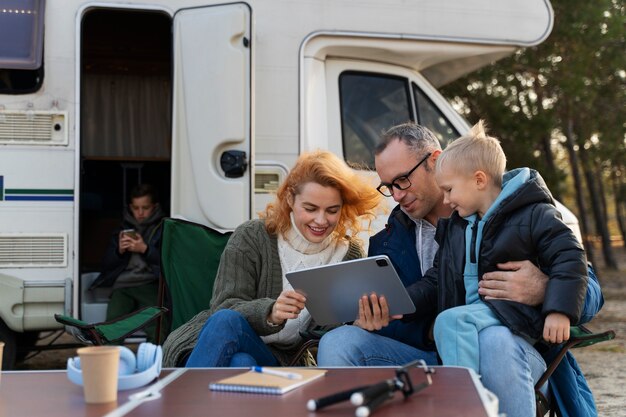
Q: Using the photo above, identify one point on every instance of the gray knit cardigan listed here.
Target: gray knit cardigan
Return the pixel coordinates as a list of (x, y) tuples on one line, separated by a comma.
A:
[(249, 279)]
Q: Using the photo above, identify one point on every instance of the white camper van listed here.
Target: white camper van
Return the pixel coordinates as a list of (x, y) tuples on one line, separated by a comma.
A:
[(209, 101)]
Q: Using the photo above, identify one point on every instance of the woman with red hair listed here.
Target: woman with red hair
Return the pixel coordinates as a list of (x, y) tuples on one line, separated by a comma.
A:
[(256, 317)]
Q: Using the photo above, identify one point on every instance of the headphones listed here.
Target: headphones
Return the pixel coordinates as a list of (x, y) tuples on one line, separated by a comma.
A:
[(133, 372)]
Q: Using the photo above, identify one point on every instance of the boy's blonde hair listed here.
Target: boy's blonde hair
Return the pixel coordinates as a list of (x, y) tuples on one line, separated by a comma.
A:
[(475, 151)]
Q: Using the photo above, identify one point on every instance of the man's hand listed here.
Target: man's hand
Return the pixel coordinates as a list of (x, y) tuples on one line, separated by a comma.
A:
[(516, 281), (556, 328), (373, 313), (287, 306)]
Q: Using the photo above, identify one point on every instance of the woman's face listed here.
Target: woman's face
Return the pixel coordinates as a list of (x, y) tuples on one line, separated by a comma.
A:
[(316, 211)]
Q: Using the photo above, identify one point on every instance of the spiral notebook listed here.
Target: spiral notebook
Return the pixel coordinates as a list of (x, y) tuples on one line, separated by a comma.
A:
[(259, 383)]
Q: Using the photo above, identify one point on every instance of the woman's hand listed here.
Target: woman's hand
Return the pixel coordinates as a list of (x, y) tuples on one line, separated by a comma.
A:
[(373, 313), (127, 243), (288, 305)]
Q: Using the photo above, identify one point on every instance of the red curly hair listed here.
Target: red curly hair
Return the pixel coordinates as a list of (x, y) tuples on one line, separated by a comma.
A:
[(360, 199)]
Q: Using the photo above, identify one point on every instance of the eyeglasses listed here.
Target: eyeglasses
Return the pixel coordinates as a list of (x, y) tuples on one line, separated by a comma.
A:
[(402, 182)]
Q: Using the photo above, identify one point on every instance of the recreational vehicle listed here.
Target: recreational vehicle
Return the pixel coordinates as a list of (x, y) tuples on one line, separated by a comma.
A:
[(211, 102)]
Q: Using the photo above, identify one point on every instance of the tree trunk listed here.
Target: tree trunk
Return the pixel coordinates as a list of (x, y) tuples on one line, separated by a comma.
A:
[(618, 193), (550, 164), (580, 202), (599, 180), (596, 206)]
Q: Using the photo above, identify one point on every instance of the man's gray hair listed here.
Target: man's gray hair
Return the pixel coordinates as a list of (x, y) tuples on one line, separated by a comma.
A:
[(419, 139)]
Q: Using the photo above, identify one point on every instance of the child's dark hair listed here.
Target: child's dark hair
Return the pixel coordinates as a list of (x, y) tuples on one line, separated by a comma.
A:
[(142, 190)]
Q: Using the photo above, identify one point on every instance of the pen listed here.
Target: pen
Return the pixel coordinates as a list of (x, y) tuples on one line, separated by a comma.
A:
[(283, 374)]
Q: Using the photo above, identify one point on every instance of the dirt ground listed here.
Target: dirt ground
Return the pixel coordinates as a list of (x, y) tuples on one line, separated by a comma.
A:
[(604, 364)]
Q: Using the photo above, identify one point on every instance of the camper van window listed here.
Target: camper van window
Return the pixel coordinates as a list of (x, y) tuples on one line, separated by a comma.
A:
[(21, 45), (370, 103), (430, 116)]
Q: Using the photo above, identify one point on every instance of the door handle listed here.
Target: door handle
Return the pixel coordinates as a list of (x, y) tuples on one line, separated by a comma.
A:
[(234, 163)]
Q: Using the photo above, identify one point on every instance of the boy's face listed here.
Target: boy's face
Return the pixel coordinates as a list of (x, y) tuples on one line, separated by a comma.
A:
[(142, 208), (461, 191)]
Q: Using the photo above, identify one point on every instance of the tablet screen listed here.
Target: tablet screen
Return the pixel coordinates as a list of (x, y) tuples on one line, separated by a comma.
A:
[(333, 291)]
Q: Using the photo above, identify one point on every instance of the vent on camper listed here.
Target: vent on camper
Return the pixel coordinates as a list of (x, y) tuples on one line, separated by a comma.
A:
[(33, 250), (266, 182), (33, 127)]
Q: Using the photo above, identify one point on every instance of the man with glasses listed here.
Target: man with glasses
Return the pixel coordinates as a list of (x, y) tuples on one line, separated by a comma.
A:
[(405, 162), (402, 182)]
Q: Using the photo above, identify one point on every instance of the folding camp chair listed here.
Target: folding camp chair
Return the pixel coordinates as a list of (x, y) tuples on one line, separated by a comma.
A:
[(306, 355), (113, 331), (580, 336), (190, 256)]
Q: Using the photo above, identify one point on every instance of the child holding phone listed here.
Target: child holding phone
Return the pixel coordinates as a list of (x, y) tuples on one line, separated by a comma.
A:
[(132, 262), (132, 233)]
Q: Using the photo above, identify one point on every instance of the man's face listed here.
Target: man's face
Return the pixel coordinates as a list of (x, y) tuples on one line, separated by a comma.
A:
[(142, 208), (423, 196)]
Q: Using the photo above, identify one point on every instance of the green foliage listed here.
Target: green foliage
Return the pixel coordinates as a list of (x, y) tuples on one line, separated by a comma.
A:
[(578, 74)]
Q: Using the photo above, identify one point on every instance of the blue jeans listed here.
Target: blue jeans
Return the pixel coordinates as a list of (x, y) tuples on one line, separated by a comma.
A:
[(510, 367), (353, 346), (227, 340)]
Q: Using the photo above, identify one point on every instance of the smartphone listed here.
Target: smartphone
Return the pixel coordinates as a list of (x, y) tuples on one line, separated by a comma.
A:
[(130, 232)]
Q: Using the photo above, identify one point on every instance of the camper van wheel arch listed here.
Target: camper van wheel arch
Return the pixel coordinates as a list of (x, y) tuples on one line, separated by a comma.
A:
[(10, 346)]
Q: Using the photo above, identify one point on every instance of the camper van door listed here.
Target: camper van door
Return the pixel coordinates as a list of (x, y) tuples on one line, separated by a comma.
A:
[(211, 129)]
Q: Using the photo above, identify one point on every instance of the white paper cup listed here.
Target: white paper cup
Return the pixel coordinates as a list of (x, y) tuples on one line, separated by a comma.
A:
[(99, 366)]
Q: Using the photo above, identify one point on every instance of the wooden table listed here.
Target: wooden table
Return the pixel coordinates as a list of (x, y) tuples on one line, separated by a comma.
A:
[(454, 392)]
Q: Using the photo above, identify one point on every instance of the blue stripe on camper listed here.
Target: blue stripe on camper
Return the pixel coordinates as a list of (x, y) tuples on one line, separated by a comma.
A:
[(39, 198)]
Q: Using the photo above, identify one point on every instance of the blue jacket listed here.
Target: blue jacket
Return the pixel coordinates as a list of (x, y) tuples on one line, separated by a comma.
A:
[(568, 384), (522, 224), (397, 241), (113, 264)]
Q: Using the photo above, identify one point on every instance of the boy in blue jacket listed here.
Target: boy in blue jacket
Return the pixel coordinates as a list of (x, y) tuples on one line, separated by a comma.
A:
[(498, 217)]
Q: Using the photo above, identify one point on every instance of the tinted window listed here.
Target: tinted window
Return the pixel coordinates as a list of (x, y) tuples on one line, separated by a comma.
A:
[(370, 103), (21, 45), (430, 116)]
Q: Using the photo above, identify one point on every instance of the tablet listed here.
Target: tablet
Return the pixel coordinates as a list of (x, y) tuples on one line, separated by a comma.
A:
[(333, 291)]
